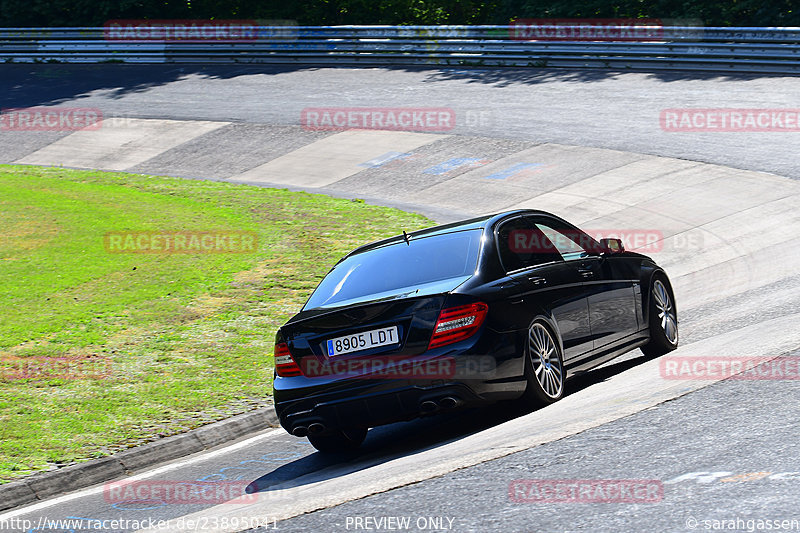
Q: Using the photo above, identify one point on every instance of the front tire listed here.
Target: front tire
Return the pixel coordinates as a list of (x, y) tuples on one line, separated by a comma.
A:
[(544, 367), (343, 440), (663, 318)]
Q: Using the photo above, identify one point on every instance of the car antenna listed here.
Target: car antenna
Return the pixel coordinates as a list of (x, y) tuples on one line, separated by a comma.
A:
[(405, 236)]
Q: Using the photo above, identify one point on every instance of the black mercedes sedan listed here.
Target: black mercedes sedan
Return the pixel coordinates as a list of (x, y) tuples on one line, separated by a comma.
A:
[(498, 307)]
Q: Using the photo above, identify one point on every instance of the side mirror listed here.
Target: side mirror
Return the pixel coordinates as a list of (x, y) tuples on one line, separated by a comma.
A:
[(612, 246)]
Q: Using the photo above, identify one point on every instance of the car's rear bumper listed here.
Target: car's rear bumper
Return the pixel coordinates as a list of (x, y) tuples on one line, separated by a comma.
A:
[(370, 405)]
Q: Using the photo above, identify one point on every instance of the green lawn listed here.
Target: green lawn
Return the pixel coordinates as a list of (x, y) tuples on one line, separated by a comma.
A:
[(183, 338)]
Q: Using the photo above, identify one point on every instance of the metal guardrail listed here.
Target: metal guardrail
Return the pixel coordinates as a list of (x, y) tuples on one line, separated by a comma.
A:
[(769, 50)]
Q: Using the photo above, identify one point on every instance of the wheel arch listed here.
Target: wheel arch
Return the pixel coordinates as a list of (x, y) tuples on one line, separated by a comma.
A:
[(649, 273), (551, 323)]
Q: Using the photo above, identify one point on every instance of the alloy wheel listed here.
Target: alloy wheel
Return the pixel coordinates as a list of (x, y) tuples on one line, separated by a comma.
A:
[(545, 360), (666, 312)]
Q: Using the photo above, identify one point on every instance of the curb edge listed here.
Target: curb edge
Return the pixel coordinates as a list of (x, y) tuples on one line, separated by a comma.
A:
[(44, 485)]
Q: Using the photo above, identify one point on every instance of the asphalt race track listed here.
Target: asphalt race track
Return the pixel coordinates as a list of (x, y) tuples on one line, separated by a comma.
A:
[(586, 145)]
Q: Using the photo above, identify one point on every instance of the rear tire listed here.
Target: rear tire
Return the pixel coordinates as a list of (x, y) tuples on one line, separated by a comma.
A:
[(663, 319), (544, 367), (343, 440)]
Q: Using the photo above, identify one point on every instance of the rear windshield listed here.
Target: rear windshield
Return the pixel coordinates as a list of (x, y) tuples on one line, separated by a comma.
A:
[(400, 266)]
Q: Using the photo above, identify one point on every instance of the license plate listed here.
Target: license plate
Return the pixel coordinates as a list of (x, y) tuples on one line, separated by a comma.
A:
[(362, 341)]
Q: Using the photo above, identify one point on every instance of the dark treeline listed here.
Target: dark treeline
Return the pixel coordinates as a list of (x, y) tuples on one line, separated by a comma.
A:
[(27, 13)]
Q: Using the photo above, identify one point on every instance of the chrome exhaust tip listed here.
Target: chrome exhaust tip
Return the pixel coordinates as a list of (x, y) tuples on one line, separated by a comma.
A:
[(316, 428), (428, 407), (448, 402), (300, 431)]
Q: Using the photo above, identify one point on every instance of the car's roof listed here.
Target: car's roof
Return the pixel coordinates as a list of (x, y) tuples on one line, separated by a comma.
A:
[(469, 224)]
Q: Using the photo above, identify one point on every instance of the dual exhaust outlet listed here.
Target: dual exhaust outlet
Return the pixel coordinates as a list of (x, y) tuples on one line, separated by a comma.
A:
[(427, 407), (431, 406), (315, 428)]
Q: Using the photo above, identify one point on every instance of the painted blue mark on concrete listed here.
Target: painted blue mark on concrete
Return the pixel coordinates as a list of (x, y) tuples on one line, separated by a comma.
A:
[(383, 159), (138, 505), (512, 170), (452, 164)]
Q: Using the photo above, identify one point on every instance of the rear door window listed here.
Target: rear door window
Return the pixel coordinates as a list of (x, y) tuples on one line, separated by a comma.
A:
[(522, 245), (571, 243)]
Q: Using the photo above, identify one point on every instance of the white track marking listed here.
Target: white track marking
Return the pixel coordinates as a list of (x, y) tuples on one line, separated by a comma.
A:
[(97, 489)]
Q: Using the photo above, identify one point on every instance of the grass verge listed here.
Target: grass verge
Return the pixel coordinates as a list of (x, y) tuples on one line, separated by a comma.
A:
[(102, 349)]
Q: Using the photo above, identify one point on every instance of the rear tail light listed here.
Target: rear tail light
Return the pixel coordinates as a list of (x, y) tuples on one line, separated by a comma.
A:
[(284, 364), (457, 323)]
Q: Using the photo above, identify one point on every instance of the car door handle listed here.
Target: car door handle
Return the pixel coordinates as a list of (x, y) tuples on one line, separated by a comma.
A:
[(537, 280), (587, 269)]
